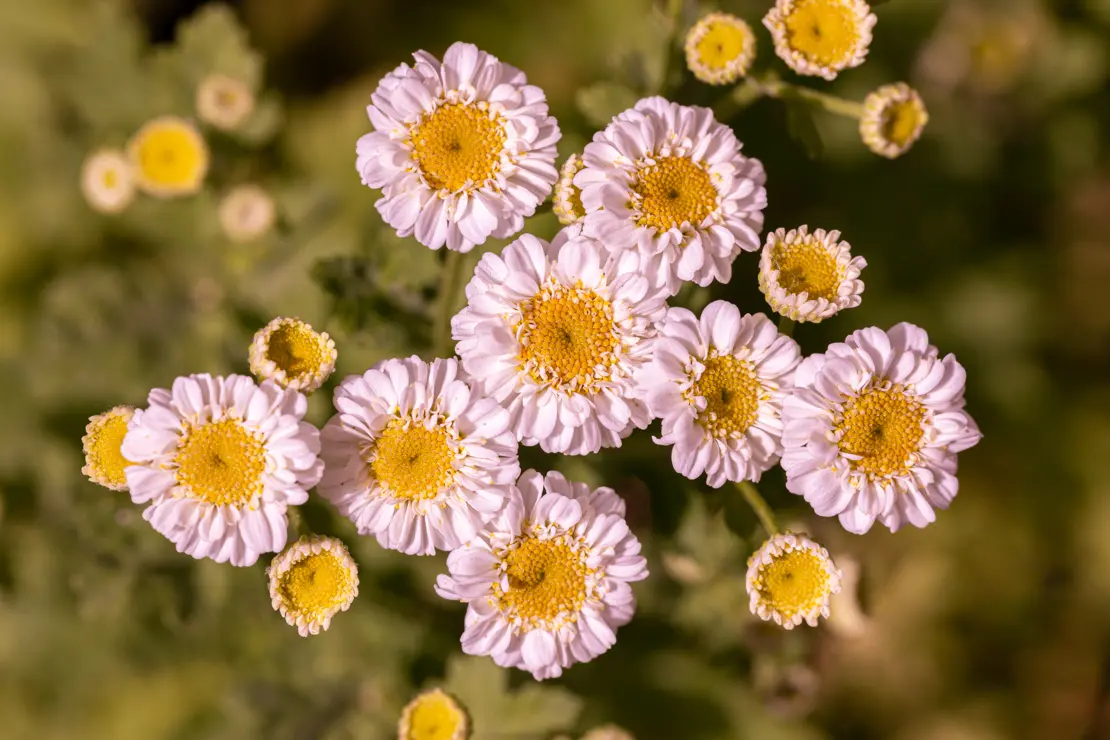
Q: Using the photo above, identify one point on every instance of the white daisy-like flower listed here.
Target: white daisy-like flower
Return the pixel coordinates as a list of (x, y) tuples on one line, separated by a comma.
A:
[(433, 715), (821, 37), (668, 182), (104, 462), (224, 102), (311, 582), (873, 427), (169, 157), (809, 277), (246, 213), (554, 333), (288, 352), (893, 118), (718, 384), (219, 459), (416, 456), (463, 149), (568, 198), (108, 181), (790, 580), (547, 581), (720, 49)]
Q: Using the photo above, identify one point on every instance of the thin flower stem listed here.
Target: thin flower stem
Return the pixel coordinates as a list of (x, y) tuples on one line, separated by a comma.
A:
[(671, 55), (769, 86), (786, 326), (759, 506), (448, 287)]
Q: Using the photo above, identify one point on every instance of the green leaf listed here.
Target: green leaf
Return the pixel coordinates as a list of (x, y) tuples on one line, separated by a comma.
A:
[(802, 128), (603, 100), (212, 40), (263, 123), (707, 537)]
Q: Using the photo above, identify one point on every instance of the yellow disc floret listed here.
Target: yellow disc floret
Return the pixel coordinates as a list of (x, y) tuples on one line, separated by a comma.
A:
[(807, 266), (568, 196), (547, 581), (458, 146), (220, 462), (104, 462), (169, 157), (291, 354), (881, 429), (821, 37), (411, 461), (672, 191), (720, 48), (433, 715), (312, 581), (790, 579), (732, 392), (893, 118)]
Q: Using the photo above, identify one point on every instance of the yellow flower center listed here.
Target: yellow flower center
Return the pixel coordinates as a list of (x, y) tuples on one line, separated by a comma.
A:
[(316, 585), (546, 578), (110, 178), (794, 582), (457, 146), (731, 391), (433, 716), (901, 122), (884, 427), (102, 449), (296, 349), (674, 191), (566, 335), (221, 462), (722, 43), (411, 461), (170, 155), (823, 30), (807, 267)]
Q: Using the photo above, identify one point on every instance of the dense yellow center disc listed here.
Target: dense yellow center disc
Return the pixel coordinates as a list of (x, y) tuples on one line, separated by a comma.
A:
[(901, 122), (316, 585), (296, 349), (883, 427), (731, 391), (105, 460), (795, 582), (806, 267), (221, 462), (675, 190), (433, 716), (170, 155), (568, 333), (824, 31), (721, 45), (412, 461), (546, 579), (458, 146)]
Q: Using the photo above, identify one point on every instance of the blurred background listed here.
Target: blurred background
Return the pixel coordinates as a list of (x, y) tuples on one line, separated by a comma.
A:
[(992, 233)]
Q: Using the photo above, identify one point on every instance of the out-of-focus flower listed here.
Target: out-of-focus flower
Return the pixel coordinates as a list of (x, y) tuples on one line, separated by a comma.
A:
[(893, 118), (547, 581), (246, 213), (463, 149), (224, 102), (790, 579), (104, 462), (608, 732), (788, 691), (107, 181), (809, 277), (568, 197), (169, 157), (821, 37), (720, 49), (290, 353), (848, 618), (311, 582), (433, 715)]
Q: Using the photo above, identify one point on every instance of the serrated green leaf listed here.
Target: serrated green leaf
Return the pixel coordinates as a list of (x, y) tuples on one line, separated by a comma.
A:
[(535, 711), (802, 128), (707, 537), (603, 100), (213, 40)]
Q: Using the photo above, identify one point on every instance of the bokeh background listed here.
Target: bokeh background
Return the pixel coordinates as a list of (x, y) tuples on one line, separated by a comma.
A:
[(992, 233)]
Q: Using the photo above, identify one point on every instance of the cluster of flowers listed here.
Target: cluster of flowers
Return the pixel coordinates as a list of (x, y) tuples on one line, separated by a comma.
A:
[(569, 346), (168, 157)]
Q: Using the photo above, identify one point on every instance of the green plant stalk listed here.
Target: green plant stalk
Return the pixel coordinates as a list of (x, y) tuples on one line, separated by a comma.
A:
[(759, 506), (769, 86), (786, 326), (448, 287)]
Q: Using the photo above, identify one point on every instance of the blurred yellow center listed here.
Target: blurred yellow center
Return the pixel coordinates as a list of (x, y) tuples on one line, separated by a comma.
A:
[(296, 349), (458, 146), (674, 191), (722, 43), (221, 462), (546, 578), (110, 178), (806, 267), (824, 31), (316, 585), (566, 334), (901, 122), (170, 156), (731, 391), (884, 427), (102, 449), (795, 582), (412, 461), (433, 716)]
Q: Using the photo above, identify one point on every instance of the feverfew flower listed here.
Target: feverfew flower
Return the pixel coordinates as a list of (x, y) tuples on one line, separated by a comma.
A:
[(568, 197), (311, 582), (416, 456), (790, 579), (667, 181), (821, 37), (219, 459), (547, 581), (873, 428), (718, 383), (169, 157), (433, 715), (720, 48), (290, 353), (463, 149), (554, 333), (246, 213), (809, 277), (224, 102), (107, 181), (893, 118), (104, 463)]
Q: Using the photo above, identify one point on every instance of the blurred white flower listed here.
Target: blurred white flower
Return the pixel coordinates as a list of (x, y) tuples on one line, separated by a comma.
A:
[(224, 102), (107, 181), (246, 213)]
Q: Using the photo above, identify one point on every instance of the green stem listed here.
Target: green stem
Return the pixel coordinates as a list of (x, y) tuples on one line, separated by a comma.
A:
[(759, 506), (448, 286), (786, 326), (674, 16), (770, 86)]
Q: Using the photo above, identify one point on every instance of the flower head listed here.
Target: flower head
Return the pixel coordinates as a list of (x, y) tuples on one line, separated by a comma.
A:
[(821, 37), (547, 580), (246, 213), (169, 157), (720, 48), (718, 382), (568, 197), (107, 181), (433, 715), (224, 102), (667, 182), (893, 118), (417, 456), (809, 277), (290, 353), (554, 333), (104, 462), (219, 459), (873, 428), (463, 149), (790, 579), (311, 582)]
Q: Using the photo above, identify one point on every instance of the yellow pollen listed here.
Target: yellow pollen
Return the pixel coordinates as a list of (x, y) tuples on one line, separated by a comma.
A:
[(296, 349), (316, 586), (567, 334), (411, 461), (546, 578), (807, 267), (721, 45), (221, 462), (170, 156), (674, 191), (901, 122), (824, 31), (111, 178), (731, 391), (105, 462), (884, 427), (794, 582), (433, 716), (457, 146)]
